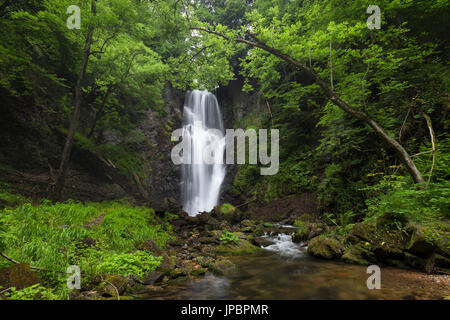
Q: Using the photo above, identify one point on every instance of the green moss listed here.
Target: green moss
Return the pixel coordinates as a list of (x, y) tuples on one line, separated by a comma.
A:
[(325, 247), (198, 272), (242, 248), (227, 209)]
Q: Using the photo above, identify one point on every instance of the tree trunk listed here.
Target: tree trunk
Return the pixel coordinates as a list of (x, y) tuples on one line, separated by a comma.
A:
[(331, 95), (99, 112), (75, 116)]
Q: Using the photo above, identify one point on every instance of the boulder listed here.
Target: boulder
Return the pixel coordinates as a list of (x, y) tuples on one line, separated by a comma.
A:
[(152, 278), (301, 235), (261, 242), (19, 276), (227, 212), (325, 247), (222, 267), (385, 251), (241, 248), (358, 254), (418, 243), (316, 229), (198, 271), (359, 232), (114, 285)]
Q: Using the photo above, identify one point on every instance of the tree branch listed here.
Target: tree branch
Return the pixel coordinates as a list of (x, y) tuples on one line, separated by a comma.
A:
[(331, 95)]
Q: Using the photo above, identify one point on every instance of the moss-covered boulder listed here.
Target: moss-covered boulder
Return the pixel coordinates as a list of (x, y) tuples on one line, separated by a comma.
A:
[(421, 242), (242, 247), (358, 254), (227, 212), (360, 232), (198, 271), (19, 276), (114, 285), (325, 247), (300, 235), (222, 267)]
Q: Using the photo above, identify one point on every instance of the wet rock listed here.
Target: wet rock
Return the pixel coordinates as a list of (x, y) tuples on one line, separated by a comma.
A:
[(325, 247), (19, 276), (259, 230), (198, 271), (301, 235), (358, 254), (222, 267), (152, 277), (414, 261), (114, 285), (177, 273), (390, 250), (359, 232), (248, 223), (241, 248), (261, 242), (316, 229), (441, 261), (419, 244)]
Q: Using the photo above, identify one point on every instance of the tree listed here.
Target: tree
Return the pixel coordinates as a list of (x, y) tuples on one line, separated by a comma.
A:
[(333, 97), (76, 113)]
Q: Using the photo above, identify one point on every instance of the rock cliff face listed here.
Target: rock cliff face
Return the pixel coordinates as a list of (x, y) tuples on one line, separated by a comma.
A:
[(163, 180), (92, 175), (235, 105), (95, 175)]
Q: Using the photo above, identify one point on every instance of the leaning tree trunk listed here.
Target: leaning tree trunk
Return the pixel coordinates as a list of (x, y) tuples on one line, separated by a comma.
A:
[(76, 114), (331, 95)]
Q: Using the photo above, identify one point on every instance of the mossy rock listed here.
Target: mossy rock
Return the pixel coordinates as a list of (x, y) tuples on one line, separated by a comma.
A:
[(222, 267), (301, 235), (114, 285), (198, 271), (242, 247), (420, 243), (358, 254), (248, 223), (19, 276), (259, 230), (360, 232), (325, 247), (388, 250), (177, 273), (227, 212)]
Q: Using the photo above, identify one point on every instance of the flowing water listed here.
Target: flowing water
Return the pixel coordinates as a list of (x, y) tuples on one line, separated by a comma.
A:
[(284, 271), (203, 128)]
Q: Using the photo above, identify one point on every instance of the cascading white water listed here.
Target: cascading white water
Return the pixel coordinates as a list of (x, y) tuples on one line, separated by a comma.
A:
[(201, 181)]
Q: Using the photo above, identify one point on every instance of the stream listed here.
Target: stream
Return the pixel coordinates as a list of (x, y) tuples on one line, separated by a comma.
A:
[(284, 271)]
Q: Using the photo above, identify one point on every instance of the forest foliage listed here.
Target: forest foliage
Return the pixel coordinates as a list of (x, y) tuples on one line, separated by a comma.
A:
[(398, 75)]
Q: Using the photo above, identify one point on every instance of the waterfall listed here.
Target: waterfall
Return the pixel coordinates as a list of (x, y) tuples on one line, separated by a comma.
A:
[(201, 182)]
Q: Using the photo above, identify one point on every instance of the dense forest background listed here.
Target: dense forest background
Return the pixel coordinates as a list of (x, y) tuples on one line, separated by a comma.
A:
[(87, 114)]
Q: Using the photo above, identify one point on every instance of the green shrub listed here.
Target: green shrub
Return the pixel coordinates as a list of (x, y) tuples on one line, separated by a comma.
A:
[(34, 292), (127, 264), (229, 237)]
